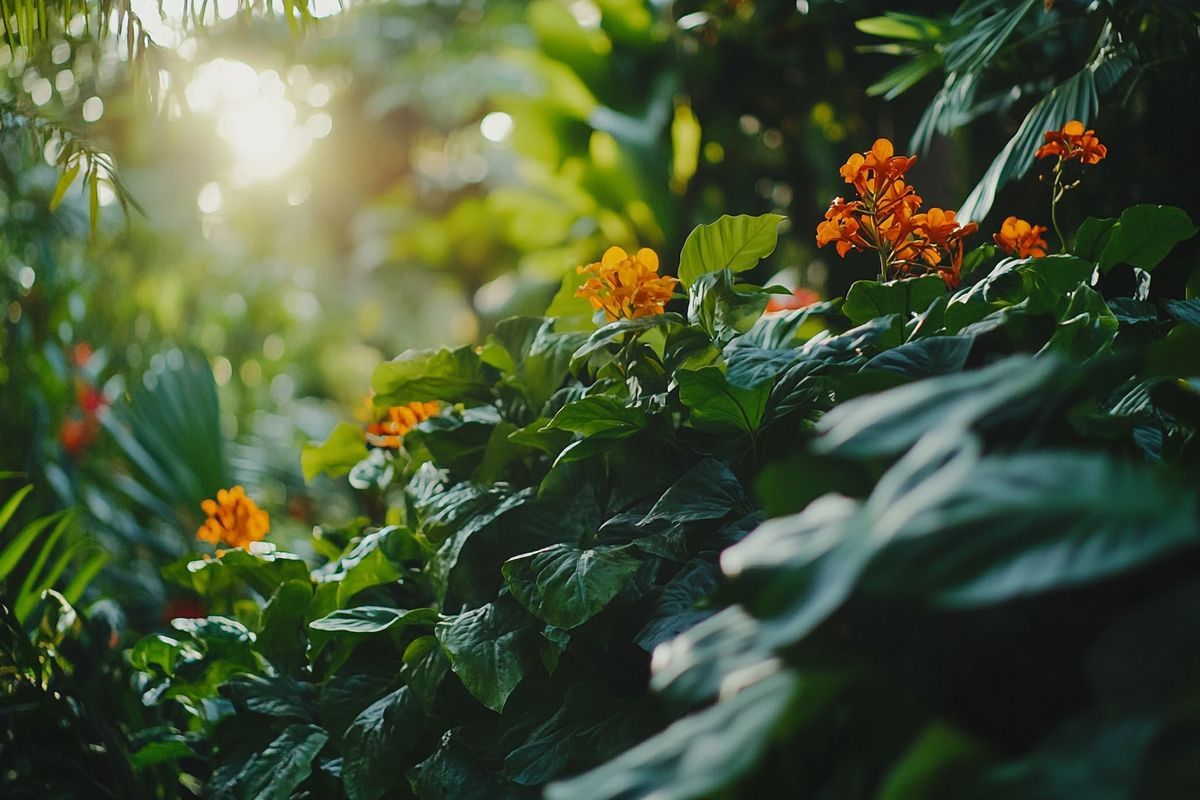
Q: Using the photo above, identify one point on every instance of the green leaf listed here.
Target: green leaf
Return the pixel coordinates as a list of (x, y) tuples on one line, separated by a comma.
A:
[(1092, 237), (286, 762), (610, 333), (281, 636), (64, 183), (1006, 526), (567, 586), (867, 300), (536, 358), (274, 697), (937, 355), (376, 743), (373, 619), (1087, 329), (337, 455), (733, 243), (695, 757), (1144, 235), (490, 649), (262, 568), (722, 309), (717, 405), (678, 607), (600, 415), (423, 375), (707, 491), (890, 422), (425, 664), (905, 27)]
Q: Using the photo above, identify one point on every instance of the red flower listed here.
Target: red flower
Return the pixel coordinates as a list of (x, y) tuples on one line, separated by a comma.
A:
[(799, 298)]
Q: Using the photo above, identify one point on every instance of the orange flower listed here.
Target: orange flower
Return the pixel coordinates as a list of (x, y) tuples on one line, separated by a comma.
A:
[(1019, 238), (1073, 142), (885, 219), (399, 420), (234, 519), (626, 286), (841, 226)]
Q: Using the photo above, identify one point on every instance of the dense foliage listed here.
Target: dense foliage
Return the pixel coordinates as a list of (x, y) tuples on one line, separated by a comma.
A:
[(983, 485), (667, 532)]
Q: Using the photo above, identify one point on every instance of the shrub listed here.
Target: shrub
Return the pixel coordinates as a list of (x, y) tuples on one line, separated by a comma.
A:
[(977, 506)]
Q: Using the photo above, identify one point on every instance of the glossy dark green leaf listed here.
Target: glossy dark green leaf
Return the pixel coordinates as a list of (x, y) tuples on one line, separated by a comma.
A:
[(923, 358), (1144, 235), (717, 405), (696, 756), (425, 664), (286, 763), (490, 649), (892, 421), (281, 636), (600, 415), (373, 619), (567, 586), (377, 742), (707, 491), (868, 300)]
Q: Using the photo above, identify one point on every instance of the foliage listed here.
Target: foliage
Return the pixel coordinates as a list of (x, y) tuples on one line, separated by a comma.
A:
[(562, 518)]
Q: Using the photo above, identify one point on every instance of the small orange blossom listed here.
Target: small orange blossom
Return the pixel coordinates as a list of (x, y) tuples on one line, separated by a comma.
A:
[(233, 518), (1019, 238)]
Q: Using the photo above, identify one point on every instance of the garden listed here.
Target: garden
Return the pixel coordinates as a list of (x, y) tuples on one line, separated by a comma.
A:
[(599, 400)]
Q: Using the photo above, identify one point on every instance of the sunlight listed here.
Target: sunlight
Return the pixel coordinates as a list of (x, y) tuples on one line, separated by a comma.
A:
[(262, 128)]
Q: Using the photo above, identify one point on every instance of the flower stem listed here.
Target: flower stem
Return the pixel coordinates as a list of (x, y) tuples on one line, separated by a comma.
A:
[(1056, 195)]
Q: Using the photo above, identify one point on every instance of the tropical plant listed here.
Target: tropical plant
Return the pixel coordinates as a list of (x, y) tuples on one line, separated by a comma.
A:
[(940, 479)]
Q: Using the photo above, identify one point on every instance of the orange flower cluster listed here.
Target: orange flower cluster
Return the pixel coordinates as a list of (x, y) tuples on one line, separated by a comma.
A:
[(1073, 142), (399, 420), (626, 286), (1019, 238), (886, 218), (234, 519)]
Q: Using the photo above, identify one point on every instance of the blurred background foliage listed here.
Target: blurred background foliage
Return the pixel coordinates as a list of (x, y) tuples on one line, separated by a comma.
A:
[(306, 199)]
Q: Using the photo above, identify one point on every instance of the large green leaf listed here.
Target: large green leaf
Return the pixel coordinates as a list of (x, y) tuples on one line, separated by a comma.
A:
[(892, 421), (278, 770), (868, 300), (1144, 235), (1007, 526), (707, 491), (695, 757), (372, 619), (717, 405), (490, 649), (423, 375), (733, 243), (281, 636), (600, 415), (377, 742), (567, 586)]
